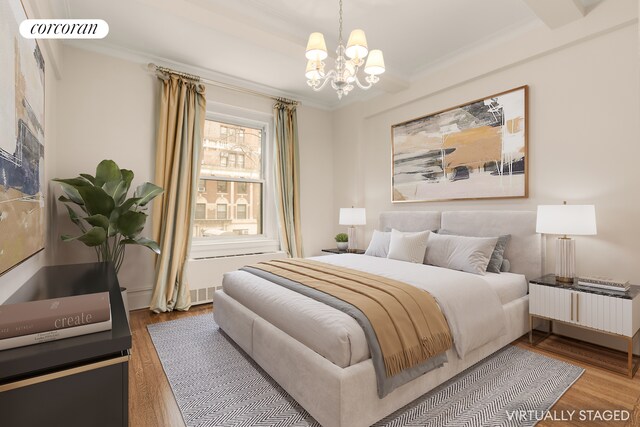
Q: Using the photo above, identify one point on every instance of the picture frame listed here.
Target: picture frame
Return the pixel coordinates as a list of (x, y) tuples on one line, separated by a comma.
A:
[(22, 139), (473, 151)]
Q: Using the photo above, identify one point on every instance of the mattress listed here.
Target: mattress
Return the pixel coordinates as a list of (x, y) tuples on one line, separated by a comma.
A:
[(338, 337)]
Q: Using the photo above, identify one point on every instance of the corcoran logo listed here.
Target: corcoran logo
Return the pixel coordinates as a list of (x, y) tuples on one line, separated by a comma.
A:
[(64, 29)]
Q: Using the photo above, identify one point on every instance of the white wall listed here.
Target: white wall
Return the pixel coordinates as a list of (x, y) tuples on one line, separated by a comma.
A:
[(107, 111), (583, 142)]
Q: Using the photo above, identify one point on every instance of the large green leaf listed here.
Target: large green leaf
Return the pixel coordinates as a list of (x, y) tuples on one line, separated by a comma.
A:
[(107, 171), (96, 201), (88, 177), (127, 178), (113, 223), (142, 241), (128, 204), (98, 220), (74, 182), (147, 192), (131, 223), (94, 237), (71, 193), (75, 218)]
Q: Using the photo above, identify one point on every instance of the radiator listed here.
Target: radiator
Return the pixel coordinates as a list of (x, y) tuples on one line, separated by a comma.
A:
[(205, 275)]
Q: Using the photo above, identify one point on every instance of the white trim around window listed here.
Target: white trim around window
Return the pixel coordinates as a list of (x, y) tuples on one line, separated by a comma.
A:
[(268, 241)]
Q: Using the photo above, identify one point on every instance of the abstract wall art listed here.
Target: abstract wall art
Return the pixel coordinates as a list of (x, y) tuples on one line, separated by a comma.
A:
[(477, 150), (22, 208)]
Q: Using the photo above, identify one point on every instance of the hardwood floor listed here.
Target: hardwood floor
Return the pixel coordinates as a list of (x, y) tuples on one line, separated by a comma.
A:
[(151, 401)]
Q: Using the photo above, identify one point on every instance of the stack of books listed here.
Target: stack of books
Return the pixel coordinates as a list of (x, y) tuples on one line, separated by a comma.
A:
[(41, 318), (605, 284)]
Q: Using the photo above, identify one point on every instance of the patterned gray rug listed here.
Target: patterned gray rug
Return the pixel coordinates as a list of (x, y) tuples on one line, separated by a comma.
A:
[(216, 384)]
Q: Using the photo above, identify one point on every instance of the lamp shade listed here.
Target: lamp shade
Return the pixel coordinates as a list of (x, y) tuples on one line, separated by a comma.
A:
[(357, 45), (314, 70), (566, 219), (316, 47), (375, 63), (353, 216)]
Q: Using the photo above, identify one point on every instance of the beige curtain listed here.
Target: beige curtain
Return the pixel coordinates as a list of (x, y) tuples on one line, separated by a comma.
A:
[(287, 177), (178, 145)]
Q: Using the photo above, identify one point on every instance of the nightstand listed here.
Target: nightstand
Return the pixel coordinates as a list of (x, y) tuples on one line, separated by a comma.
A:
[(613, 313), (338, 251)]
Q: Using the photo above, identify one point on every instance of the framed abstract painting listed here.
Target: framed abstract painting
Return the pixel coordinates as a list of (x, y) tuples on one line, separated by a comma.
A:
[(22, 207), (477, 150)]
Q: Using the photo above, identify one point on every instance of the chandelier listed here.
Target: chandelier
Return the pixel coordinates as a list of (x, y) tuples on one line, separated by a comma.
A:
[(349, 61)]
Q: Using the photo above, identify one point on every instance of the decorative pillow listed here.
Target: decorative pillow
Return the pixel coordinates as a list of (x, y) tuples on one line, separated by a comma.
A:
[(495, 263), (506, 266), (470, 254), (379, 245), (408, 246)]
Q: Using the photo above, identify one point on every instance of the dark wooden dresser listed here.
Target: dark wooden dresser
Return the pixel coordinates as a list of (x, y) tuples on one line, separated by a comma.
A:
[(79, 381)]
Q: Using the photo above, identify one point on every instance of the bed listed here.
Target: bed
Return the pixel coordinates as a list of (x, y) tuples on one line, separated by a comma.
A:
[(319, 355)]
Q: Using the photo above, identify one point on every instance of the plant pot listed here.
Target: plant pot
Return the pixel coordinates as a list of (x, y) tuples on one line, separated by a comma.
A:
[(342, 245), (125, 301)]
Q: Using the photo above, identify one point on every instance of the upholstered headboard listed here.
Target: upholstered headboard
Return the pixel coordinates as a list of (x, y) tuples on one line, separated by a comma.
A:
[(524, 250)]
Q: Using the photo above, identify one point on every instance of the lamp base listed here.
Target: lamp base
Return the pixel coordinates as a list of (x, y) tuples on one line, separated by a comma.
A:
[(565, 260), (353, 245)]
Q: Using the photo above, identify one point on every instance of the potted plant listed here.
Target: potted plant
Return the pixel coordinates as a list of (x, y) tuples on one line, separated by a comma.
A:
[(342, 240), (108, 219)]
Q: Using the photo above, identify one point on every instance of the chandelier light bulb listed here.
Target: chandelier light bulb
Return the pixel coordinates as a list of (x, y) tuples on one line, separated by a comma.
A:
[(375, 63), (316, 47), (357, 45), (315, 70)]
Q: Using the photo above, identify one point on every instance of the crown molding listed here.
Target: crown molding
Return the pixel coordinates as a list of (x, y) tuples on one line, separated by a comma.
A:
[(108, 49)]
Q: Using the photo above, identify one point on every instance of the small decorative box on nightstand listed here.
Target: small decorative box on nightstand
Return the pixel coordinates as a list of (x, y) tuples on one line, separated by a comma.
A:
[(338, 251), (609, 312)]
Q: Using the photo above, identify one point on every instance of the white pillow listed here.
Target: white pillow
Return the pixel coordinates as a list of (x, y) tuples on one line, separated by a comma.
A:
[(408, 246), (379, 245), (470, 254)]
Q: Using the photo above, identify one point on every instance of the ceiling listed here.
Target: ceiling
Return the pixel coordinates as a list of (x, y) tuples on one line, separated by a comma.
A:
[(263, 41)]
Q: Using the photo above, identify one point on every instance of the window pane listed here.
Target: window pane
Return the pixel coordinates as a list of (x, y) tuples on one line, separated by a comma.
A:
[(221, 211), (231, 151), (201, 211), (241, 211), (235, 211)]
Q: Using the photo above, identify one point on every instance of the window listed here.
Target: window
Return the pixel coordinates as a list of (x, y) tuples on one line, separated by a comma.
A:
[(241, 211), (201, 211), (241, 188), (232, 164), (221, 211)]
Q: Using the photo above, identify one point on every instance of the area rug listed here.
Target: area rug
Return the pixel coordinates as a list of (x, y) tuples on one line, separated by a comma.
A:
[(216, 384)]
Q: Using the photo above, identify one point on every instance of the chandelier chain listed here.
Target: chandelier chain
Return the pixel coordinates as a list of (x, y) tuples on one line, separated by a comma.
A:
[(340, 28)]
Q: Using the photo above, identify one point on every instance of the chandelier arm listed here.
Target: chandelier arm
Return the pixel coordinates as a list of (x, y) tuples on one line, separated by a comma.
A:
[(326, 79), (361, 86)]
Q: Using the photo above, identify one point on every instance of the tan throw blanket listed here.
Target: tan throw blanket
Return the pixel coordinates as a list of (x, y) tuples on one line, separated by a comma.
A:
[(407, 321)]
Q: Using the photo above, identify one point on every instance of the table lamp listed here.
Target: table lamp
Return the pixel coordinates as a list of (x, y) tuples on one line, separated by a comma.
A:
[(352, 217), (566, 220)]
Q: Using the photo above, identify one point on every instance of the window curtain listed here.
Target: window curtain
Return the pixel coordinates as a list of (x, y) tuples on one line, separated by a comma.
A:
[(178, 146), (287, 177)]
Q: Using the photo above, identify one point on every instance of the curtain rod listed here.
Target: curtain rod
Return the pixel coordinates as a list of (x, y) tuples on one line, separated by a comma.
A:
[(156, 68)]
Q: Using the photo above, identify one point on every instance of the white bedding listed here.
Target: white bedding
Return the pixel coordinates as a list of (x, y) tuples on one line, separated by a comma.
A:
[(470, 303), (508, 286)]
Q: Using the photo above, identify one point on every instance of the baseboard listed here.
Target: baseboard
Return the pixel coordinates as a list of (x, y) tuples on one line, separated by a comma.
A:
[(139, 298)]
